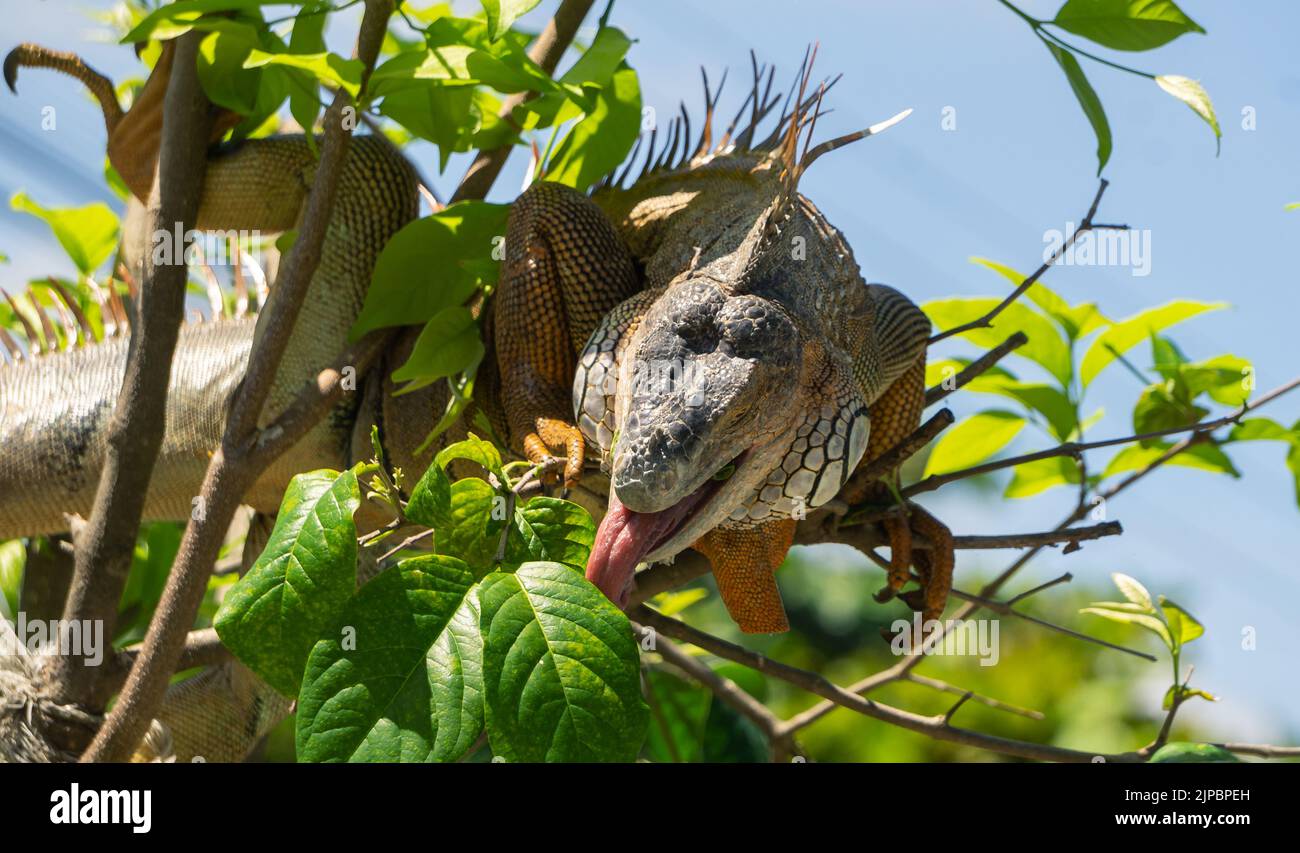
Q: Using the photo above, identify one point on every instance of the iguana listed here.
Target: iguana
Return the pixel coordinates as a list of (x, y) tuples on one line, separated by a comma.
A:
[(701, 331)]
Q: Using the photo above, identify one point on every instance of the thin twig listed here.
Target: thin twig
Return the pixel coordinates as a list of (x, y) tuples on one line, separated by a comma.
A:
[(725, 689), (987, 320), (935, 727), (975, 368), (996, 704), (1076, 448), (1001, 607)]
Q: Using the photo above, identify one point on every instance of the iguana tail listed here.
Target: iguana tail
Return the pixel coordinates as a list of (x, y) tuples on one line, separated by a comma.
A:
[(54, 415), (35, 56)]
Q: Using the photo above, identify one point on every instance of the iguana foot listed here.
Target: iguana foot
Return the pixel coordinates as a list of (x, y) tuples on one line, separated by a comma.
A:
[(565, 439), (934, 567)]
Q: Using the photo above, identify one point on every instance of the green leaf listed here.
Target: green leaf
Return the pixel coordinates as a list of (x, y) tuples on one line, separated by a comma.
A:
[(329, 68), (1194, 95), (459, 65), (412, 688), (1203, 457), (603, 138), (449, 343), (672, 603), (304, 92), (1193, 753), (1142, 620), (1076, 320), (13, 558), (432, 264), (88, 233), (973, 440), (221, 70), (444, 115), (1158, 408), (474, 449), (501, 14), (1123, 335), (560, 668), (174, 19), (1262, 429), (730, 738), (1121, 606), (474, 522), (1031, 478), (1126, 24), (551, 530), (1183, 626), (1087, 97), (1223, 377), (679, 713), (1187, 693), (1045, 346), (594, 69), (271, 618), (155, 551), (1134, 591), (1047, 400), (430, 502)]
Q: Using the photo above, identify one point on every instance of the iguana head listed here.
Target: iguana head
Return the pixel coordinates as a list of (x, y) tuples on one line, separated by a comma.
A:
[(732, 391)]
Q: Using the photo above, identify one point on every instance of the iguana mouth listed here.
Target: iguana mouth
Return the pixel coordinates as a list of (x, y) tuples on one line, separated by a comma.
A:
[(625, 537)]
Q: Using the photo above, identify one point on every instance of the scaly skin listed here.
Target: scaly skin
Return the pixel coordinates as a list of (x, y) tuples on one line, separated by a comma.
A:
[(704, 333), (55, 440)]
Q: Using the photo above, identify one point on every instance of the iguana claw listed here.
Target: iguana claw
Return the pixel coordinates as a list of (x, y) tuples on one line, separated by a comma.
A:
[(934, 567), (562, 436)]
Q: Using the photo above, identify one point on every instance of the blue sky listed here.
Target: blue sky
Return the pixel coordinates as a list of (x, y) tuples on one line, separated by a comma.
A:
[(918, 201)]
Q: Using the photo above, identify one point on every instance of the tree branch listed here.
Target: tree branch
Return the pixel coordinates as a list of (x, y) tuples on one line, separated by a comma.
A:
[(728, 692), (1076, 448), (238, 461), (935, 727), (135, 432), (975, 368), (1085, 226), (546, 51)]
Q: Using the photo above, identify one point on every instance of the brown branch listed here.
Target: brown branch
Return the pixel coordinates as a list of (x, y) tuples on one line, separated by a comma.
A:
[(1037, 540), (1004, 608), (996, 704), (202, 648), (904, 450), (546, 51), (987, 320), (728, 692), (975, 368), (689, 565), (1076, 448), (243, 452), (135, 432), (935, 727)]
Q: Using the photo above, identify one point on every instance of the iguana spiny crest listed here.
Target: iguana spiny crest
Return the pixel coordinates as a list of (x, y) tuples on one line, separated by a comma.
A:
[(733, 391)]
